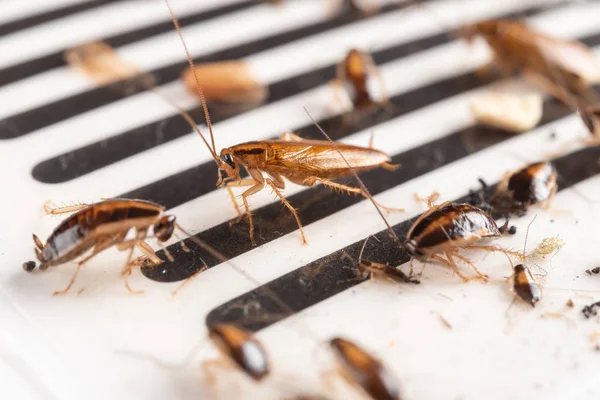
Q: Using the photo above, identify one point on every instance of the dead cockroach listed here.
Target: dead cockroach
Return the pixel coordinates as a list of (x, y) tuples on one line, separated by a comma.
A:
[(532, 184), (356, 74), (242, 348), (100, 63), (360, 368), (564, 69), (304, 162), (99, 226), (227, 82)]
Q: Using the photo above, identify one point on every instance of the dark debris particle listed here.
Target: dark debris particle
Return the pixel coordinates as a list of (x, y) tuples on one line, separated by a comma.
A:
[(512, 230), (591, 310), (596, 270), (587, 271), (29, 266), (552, 135)]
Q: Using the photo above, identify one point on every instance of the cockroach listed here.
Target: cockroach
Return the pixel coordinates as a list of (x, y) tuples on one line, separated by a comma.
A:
[(96, 227), (356, 74), (443, 229), (242, 348), (226, 82), (533, 184), (564, 69), (370, 269), (100, 63), (360, 368), (304, 162), (525, 286)]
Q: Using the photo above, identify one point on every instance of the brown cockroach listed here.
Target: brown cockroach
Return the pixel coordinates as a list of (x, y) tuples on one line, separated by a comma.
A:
[(227, 82), (96, 227), (100, 63), (304, 162), (360, 368), (564, 69), (533, 184), (356, 74), (240, 346)]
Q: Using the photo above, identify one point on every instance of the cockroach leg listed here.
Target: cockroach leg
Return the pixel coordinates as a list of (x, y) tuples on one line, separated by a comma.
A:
[(98, 248), (188, 280), (496, 248), (148, 252), (275, 184), (337, 87), (338, 186), (470, 264), (450, 262), (429, 200)]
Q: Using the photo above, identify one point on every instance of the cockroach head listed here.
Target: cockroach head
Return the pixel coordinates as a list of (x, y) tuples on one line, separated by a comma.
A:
[(228, 164), (163, 229)]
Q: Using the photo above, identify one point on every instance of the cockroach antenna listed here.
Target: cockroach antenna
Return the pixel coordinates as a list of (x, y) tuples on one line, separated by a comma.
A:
[(212, 150), (358, 179)]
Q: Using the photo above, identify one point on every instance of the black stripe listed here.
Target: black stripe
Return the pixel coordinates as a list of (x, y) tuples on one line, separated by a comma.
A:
[(330, 275), (31, 120), (28, 22), (44, 63), (272, 222), (97, 155)]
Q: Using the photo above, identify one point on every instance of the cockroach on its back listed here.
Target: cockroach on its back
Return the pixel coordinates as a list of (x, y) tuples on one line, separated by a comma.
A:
[(99, 226), (356, 74), (361, 368), (304, 162)]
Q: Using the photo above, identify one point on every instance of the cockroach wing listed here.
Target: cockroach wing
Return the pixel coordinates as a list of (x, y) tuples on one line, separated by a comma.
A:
[(572, 57)]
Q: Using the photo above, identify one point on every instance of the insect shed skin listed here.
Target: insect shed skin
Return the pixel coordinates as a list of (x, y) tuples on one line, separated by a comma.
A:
[(525, 285), (241, 347), (365, 370), (102, 225)]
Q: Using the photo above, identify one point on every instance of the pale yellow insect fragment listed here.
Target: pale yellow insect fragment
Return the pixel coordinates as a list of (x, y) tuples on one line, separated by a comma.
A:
[(508, 111)]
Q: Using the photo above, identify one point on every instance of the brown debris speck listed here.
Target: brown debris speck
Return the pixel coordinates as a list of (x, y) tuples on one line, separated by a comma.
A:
[(570, 303)]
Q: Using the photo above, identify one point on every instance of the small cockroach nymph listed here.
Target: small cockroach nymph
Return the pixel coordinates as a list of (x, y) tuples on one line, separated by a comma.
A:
[(356, 75), (226, 82), (360, 368), (304, 162), (242, 348), (524, 284), (370, 269), (96, 227), (532, 184), (564, 69)]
